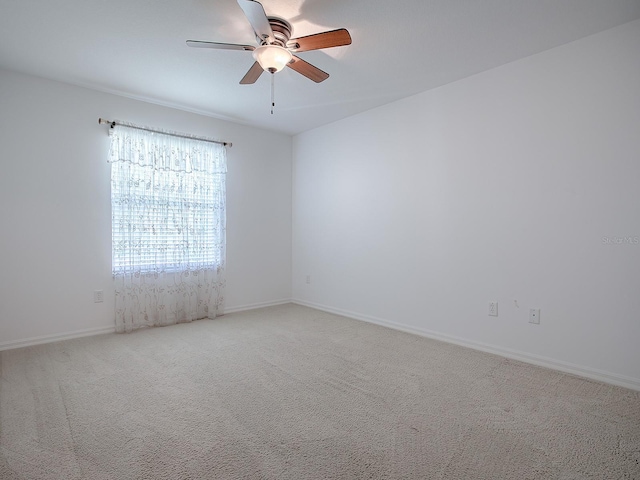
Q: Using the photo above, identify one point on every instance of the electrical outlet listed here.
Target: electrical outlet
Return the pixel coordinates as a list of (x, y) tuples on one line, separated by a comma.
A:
[(493, 309), (98, 296), (308, 279), (534, 316)]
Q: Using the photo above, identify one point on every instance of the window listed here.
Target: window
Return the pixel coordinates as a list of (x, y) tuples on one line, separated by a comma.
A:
[(167, 199)]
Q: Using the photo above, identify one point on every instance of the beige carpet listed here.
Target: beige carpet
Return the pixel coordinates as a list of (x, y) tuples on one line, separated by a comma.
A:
[(293, 393)]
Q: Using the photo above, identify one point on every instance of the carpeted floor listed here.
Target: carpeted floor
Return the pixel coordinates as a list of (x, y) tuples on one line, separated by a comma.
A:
[(293, 393)]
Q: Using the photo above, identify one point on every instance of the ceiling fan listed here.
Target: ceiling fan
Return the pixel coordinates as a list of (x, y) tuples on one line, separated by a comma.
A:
[(276, 49)]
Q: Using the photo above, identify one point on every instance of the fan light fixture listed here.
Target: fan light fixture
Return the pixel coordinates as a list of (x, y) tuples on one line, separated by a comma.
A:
[(272, 58), (274, 35)]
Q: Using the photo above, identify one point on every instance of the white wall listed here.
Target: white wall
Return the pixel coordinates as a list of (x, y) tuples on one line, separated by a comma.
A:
[(497, 187), (55, 206)]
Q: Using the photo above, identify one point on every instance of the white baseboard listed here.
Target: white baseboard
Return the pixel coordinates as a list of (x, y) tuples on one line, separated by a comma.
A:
[(27, 342), (587, 372), (253, 306)]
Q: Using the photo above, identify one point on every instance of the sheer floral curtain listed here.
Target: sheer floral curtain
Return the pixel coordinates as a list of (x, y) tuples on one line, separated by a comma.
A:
[(168, 227)]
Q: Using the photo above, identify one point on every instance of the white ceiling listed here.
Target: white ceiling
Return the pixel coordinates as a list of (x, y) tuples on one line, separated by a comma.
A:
[(400, 47)]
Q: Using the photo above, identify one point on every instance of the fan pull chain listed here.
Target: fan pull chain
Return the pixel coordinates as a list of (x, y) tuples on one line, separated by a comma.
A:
[(273, 102)]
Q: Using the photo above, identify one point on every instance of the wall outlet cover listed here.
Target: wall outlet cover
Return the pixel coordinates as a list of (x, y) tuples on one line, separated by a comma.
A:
[(534, 316), (493, 309)]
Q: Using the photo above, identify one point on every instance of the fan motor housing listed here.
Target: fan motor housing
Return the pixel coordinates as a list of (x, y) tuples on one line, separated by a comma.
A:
[(281, 30)]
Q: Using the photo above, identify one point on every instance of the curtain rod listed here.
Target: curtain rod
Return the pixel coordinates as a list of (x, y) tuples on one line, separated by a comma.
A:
[(112, 124)]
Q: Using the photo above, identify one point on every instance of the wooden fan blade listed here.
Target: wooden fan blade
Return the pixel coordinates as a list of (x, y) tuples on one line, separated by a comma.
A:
[(308, 70), (333, 38), (252, 75), (220, 46), (258, 19)]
